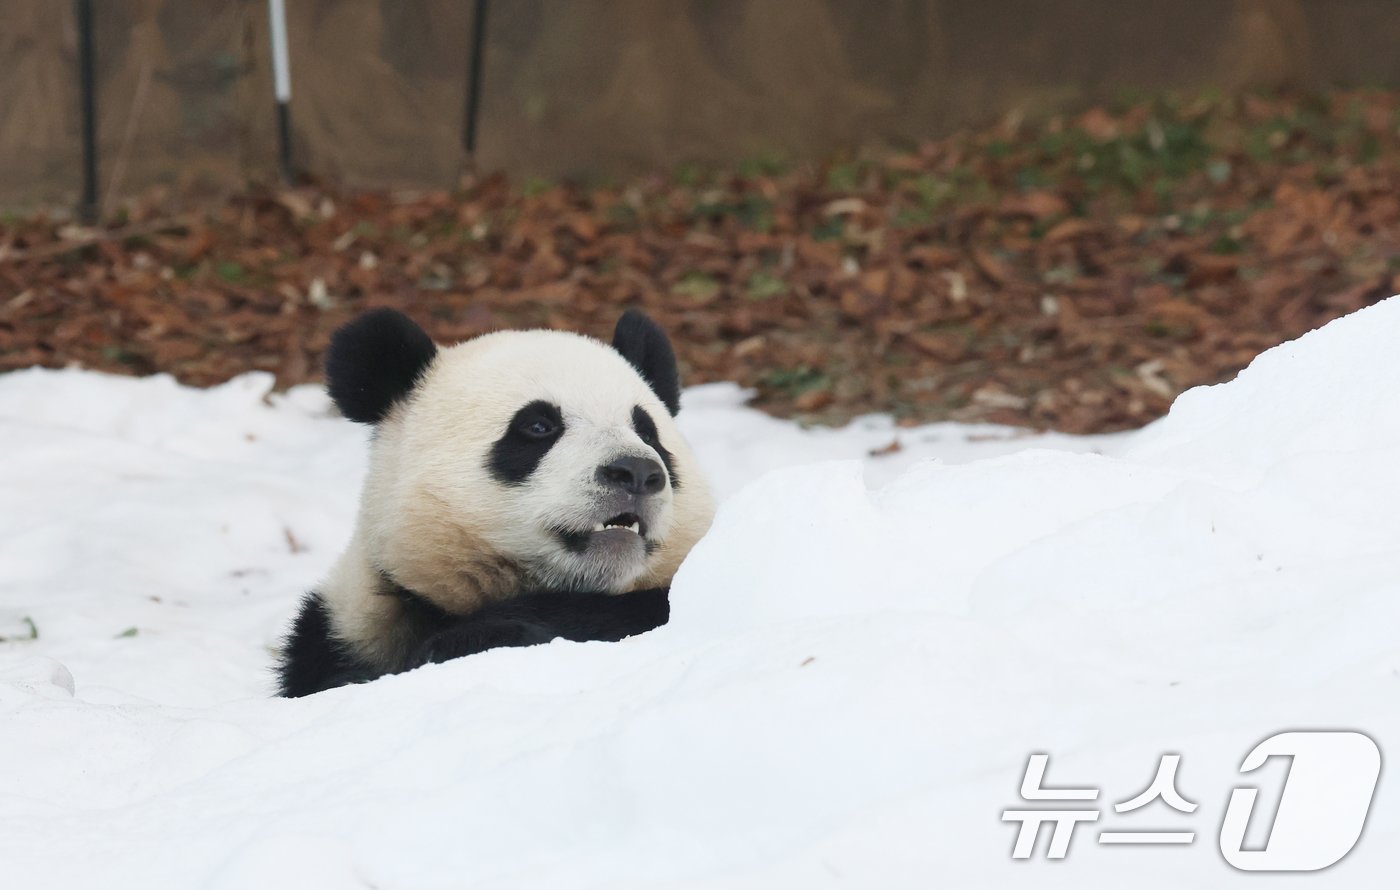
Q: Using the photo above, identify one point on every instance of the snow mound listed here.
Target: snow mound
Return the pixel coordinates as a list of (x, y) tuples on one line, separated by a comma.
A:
[(847, 694), (1331, 391)]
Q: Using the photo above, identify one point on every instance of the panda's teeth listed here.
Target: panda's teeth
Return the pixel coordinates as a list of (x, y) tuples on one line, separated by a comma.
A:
[(623, 521)]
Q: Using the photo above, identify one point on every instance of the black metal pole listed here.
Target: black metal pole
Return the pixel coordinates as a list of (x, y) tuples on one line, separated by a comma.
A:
[(88, 88), (474, 80), (284, 142)]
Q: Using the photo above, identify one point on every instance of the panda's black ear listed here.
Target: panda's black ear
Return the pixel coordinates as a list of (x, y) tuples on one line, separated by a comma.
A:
[(374, 361), (642, 342)]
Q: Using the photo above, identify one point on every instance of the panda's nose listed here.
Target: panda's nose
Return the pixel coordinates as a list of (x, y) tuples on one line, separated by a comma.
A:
[(634, 475)]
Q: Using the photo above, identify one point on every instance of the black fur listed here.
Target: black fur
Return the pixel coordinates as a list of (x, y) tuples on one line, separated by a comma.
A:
[(541, 617), (524, 444), (374, 361), (646, 429), (574, 542), (313, 660), (642, 342)]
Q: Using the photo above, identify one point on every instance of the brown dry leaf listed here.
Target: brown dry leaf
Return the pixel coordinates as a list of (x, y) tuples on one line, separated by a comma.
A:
[(814, 400), (892, 447), (875, 282), (1070, 229), (584, 226), (1099, 124), (1039, 204), (949, 348), (931, 256), (1209, 268), (990, 267), (858, 305)]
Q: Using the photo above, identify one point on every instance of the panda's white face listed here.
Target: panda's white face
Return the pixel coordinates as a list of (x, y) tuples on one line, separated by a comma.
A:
[(538, 459)]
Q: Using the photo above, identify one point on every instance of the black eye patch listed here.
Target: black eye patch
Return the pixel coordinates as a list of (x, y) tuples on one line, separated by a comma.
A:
[(531, 433), (646, 429)]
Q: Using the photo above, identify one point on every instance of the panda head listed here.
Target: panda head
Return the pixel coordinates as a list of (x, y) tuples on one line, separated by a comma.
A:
[(519, 460)]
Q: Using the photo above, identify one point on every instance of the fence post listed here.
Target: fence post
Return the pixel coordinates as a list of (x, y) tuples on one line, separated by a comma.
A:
[(87, 208), (474, 82), (281, 84)]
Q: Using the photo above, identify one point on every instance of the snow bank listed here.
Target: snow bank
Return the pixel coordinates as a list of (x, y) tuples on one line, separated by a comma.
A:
[(862, 654)]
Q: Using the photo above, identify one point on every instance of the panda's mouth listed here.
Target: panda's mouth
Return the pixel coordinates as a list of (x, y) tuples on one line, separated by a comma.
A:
[(627, 522), (618, 531)]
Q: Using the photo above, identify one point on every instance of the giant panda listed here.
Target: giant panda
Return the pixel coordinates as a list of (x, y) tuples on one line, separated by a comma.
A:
[(522, 486)]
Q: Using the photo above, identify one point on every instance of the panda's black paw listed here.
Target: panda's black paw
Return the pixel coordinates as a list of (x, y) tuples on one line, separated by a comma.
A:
[(536, 618), (638, 612), (585, 617), (313, 659), (471, 637)]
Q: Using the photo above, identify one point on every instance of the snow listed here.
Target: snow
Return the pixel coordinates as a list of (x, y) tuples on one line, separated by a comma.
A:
[(862, 654)]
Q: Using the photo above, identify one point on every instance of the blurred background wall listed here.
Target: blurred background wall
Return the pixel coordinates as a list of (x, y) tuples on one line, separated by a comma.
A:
[(608, 86)]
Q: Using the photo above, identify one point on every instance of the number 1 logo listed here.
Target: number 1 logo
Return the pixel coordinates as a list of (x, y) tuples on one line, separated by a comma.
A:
[(1326, 799)]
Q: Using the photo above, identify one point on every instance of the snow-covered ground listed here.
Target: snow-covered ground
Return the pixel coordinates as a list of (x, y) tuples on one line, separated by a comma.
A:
[(862, 654)]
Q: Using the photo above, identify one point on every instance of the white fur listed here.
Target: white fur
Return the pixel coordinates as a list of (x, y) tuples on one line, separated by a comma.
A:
[(433, 517)]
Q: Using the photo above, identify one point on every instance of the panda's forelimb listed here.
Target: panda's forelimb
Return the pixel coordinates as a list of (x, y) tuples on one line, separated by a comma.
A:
[(313, 659), (534, 618)]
